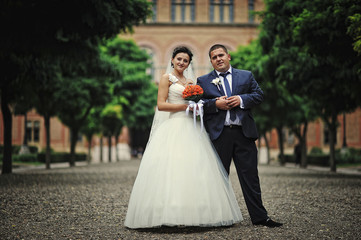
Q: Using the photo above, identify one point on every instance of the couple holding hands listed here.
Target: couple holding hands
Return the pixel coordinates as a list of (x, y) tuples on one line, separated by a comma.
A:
[(183, 178)]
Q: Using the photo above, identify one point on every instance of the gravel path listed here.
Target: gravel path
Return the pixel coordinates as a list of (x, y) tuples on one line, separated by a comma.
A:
[(90, 202)]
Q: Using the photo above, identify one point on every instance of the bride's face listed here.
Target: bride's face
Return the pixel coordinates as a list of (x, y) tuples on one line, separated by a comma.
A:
[(180, 62)]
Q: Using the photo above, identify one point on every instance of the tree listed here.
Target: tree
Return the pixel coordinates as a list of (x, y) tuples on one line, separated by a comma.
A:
[(354, 30), (276, 110), (322, 26), (78, 96), (45, 71), (314, 54), (112, 122), (91, 126), (40, 28), (133, 90)]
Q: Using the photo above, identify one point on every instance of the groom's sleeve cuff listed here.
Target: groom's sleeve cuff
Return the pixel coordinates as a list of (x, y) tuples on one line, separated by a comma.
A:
[(241, 105)]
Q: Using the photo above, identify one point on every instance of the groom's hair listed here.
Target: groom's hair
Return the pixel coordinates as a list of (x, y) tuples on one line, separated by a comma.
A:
[(216, 46)]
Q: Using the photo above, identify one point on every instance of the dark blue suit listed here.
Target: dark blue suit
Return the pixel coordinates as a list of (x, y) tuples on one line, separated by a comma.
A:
[(236, 143)]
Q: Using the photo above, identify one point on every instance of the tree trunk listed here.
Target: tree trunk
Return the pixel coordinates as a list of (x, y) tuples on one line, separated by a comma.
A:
[(110, 148), (101, 147), (116, 148), (48, 151), (7, 120), (268, 151), (332, 135), (73, 140), (280, 143), (89, 138), (303, 141), (344, 143)]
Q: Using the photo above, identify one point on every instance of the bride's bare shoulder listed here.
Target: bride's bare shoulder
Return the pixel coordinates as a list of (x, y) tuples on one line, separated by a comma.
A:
[(166, 75), (166, 79)]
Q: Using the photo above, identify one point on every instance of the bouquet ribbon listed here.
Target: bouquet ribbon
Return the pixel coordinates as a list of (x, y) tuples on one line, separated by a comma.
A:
[(197, 111)]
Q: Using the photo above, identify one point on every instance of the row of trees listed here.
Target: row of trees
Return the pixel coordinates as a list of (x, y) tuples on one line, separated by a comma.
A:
[(63, 58), (307, 60)]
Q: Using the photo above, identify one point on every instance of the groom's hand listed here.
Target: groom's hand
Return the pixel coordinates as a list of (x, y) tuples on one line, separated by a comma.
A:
[(233, 101), (221, 103)]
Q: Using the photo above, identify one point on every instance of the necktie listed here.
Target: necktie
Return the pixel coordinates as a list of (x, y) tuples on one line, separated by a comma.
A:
[(229, 93), (226, 84)]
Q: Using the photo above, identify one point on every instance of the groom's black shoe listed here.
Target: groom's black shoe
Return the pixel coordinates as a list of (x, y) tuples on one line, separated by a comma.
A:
[(268, 223)]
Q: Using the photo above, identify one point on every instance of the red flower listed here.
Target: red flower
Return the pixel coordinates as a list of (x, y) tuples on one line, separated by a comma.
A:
[(193, 93)]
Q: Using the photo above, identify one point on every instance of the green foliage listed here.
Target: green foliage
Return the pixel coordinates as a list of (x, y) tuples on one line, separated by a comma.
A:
[(312, 159), (348, 155), (354, 30), (92, 123), (143, 110), (112, 119), (316, 150), (133, 90), (312, 55), (16, 149), (78, 96), (25, 158), (39, 33), (59, 157), (343, 156), (42, 26)]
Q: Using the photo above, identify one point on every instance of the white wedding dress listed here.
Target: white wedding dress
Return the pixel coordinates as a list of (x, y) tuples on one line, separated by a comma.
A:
[(181, 180)]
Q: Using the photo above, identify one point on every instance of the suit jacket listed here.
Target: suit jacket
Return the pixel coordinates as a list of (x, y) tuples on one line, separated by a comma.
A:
[(244, 85)]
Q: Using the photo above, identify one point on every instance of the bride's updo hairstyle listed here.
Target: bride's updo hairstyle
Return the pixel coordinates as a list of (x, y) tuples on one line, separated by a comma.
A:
[(182, 49)]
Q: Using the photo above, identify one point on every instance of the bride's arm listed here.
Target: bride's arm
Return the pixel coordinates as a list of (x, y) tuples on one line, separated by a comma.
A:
[(162, 103)]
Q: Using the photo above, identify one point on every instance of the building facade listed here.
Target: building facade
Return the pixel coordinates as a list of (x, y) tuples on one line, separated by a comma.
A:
[(196, 24)]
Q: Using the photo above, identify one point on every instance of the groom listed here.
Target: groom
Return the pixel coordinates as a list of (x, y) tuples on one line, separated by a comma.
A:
[(229, 95)]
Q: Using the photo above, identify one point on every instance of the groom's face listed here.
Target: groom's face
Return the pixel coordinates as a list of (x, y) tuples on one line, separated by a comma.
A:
[(220, 60)]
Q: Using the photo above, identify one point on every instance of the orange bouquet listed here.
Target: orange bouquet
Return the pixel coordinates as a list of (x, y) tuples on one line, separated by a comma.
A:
[(193, 93)]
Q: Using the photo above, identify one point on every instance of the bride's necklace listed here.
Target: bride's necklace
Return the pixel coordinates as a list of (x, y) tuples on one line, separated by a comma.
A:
[(182, 80)]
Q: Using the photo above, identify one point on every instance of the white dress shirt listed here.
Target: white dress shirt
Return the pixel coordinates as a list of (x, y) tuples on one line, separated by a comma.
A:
[(229, 79)]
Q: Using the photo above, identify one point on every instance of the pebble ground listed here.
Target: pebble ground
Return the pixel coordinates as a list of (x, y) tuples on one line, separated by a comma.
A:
[(90, 202)]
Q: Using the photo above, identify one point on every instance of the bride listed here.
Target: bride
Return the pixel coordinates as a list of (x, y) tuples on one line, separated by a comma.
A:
[(181, 180)]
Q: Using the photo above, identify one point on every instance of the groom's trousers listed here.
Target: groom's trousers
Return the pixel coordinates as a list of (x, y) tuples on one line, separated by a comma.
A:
[(232, 144)]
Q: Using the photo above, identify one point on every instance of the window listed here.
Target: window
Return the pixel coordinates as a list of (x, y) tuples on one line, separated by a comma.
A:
[(250, 9), (154, 8), (221, 11), (33, 131), (183, 11)]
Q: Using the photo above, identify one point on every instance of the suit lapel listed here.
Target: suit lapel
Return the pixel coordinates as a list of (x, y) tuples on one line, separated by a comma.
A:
[(234, 81), (214, 76)]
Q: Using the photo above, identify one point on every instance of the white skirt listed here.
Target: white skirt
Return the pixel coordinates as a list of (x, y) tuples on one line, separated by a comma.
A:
[(181, 181)]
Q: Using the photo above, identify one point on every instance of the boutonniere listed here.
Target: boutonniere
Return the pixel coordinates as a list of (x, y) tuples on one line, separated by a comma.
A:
[(217, 82)]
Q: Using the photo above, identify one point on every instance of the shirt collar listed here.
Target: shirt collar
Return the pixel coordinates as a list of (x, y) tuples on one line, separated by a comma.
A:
[(229, 70)]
